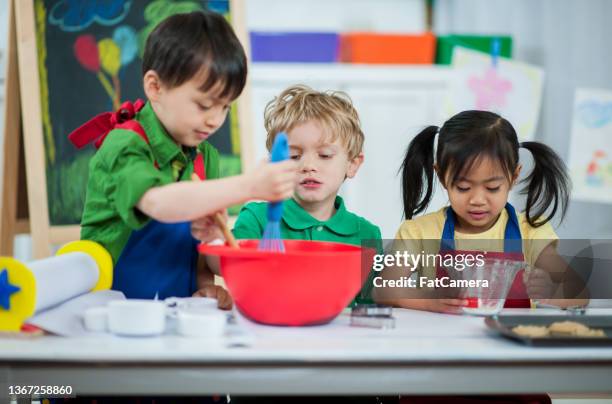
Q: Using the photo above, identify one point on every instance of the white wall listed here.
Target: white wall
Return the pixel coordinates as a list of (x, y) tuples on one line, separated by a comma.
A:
[(570, 39), (336, 15)]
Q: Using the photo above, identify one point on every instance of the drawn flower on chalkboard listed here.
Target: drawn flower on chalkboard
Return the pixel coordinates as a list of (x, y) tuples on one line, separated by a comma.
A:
[(86, 52), (76, 15), (91, 55), (110, 56), (106, 57), (110, 59), (125, 37)]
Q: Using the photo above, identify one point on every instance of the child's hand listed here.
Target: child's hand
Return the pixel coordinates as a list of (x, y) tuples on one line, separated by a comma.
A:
[(539, 284), (449, 306), (224, 300), (206, 229), (273, 181)]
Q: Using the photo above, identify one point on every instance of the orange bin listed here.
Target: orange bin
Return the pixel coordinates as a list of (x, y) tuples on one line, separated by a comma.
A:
[(387, 48)]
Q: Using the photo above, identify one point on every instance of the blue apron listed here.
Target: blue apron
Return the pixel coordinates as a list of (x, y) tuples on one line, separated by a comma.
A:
[(513, 249), (158, 260)]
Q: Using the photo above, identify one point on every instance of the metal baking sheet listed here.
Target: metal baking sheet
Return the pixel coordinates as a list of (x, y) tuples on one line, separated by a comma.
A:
[(503, 324)]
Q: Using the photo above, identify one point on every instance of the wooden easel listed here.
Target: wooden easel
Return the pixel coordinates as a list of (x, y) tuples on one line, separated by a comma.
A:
[(24, 174), (24, 207), (14, 192)]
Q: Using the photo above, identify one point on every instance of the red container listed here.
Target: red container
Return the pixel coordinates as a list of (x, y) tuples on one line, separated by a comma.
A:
[(387, 48), (310, 283)]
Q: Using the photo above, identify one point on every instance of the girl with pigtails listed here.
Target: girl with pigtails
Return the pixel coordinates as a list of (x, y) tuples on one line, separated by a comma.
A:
[(477, 162)]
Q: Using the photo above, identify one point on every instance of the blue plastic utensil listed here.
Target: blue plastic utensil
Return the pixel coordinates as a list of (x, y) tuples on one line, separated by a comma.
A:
[(272, 240), (495, 51)]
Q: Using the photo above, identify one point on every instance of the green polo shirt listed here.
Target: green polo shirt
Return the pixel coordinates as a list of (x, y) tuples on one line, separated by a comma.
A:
[(124, 168), (297, 224)]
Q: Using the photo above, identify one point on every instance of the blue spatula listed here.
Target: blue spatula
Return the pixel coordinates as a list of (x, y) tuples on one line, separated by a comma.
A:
[(271, 240)]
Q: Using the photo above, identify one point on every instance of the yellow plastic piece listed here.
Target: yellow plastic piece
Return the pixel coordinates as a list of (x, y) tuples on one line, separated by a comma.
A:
[(99, 254), (23, 302)]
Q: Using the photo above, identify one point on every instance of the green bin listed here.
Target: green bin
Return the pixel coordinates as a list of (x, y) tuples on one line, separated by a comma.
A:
[(446, 43)]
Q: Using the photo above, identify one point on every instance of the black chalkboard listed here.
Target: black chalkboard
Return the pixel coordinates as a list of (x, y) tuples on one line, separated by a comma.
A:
[(89, 55)]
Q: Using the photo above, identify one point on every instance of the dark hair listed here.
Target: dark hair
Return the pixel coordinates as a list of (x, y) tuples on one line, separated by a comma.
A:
[(183, 45), (463, 141)]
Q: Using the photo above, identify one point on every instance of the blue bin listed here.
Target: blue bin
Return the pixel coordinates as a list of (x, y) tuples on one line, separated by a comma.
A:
[(308, 47)]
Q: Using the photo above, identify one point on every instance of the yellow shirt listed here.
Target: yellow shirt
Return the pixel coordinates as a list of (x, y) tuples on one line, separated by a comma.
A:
[(423, 234)]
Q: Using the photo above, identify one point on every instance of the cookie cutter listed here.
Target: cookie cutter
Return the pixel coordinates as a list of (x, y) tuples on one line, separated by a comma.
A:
[(372, 316)]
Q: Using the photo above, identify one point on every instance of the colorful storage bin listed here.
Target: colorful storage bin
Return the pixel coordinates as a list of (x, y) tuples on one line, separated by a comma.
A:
[(387, 48), (444, 53), (309, 47)]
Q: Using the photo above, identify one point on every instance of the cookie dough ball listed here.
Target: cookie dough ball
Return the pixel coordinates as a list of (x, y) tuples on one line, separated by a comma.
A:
[(531, 331), (592, 333), (568, 328)]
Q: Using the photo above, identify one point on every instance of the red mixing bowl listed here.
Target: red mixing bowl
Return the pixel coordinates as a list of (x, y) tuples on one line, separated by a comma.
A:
[(310, 283)]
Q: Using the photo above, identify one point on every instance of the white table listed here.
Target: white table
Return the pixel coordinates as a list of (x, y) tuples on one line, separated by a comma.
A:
[(425, 354)]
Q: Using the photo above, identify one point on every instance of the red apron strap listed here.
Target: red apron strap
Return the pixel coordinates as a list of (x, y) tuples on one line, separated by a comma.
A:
[(198, 166), (134, 126), (91, 130), (98, 128)]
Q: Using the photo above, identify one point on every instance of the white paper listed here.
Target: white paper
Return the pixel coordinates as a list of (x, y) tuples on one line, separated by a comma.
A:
[(67, 318), (590, 161), (511, 89)]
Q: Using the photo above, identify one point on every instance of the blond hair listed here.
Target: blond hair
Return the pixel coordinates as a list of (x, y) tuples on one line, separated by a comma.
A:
[(333, 110)]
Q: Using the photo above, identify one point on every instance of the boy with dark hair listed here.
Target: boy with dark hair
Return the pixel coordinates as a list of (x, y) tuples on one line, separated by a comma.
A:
[(140, 199)]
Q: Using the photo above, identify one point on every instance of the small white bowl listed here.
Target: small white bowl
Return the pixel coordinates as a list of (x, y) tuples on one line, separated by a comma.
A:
[(175, 304), (96, 319), (137, 317), (201, 323)]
